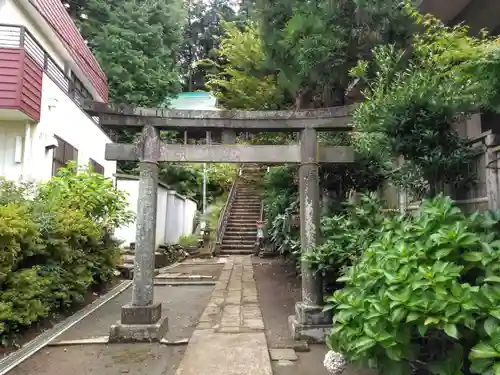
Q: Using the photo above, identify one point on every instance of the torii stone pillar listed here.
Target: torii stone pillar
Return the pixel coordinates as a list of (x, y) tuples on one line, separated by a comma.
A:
[(141, 319), (309, 323)]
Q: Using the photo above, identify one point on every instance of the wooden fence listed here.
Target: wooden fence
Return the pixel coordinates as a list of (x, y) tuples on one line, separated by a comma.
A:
[(482, 195)]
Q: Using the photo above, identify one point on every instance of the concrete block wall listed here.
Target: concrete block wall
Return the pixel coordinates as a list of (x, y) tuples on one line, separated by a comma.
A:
[(175, 213)]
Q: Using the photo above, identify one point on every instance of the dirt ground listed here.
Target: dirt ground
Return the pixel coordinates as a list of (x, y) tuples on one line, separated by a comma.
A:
[(182, 305), (36, 329), (279, 289)]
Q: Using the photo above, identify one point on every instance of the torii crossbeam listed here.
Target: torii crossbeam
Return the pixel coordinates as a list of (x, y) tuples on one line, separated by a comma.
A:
[(142, 318)]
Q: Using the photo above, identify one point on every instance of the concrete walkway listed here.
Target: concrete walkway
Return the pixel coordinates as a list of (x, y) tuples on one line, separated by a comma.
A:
[(229, 339)]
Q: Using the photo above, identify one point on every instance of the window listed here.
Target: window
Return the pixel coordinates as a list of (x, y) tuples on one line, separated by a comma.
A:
[(77, 90), (63, 154), (98, 168)]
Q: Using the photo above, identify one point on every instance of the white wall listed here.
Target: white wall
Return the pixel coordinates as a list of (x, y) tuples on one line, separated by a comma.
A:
[(189, 215), (62, 117), (59, 116), (175, 214), (126, 233), (8, 133)]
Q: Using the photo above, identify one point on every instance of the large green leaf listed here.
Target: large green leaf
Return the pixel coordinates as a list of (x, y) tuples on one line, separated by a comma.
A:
[(483, 351)]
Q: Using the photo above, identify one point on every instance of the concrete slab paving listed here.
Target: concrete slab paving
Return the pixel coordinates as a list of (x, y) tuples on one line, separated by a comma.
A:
[(212, 353), (230, 338), (283, 354), (213, 270)]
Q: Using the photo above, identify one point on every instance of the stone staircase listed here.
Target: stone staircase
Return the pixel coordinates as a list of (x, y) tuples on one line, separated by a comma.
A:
[(240, 234)]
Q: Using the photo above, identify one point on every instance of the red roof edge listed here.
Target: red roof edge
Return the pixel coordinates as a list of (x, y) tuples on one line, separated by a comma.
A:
[(54, 12)]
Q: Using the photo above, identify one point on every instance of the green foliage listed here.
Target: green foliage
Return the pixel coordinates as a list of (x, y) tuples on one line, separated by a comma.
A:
[(346, 235), (136, 43), (88, 192), (424, 295), (241, 80), (202, 31), (17, 233), (281, 204), (312, 45), (188, 240), (414, 97), (55, 242), (187, 179)]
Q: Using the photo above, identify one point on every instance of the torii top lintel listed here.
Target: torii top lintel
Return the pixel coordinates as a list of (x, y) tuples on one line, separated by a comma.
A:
[(326, 119)]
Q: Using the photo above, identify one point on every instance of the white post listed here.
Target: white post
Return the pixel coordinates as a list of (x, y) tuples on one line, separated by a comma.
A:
[(204, 188), (208, 142)]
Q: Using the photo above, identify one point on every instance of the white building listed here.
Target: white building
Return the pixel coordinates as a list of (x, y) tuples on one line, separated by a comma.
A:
[(46, 71)]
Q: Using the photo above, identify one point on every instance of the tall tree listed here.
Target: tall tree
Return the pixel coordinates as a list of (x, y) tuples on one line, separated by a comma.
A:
[(241, 80), (202, 31), (313, 45), (136, 44)]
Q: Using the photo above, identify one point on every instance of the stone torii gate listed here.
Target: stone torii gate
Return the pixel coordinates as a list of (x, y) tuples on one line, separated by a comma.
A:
[(141, 319)]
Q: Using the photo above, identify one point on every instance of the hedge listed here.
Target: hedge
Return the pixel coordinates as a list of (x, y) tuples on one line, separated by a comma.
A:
[(55, 242)]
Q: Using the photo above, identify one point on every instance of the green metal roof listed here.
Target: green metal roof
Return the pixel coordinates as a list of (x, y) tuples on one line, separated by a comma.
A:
[(194, 100)]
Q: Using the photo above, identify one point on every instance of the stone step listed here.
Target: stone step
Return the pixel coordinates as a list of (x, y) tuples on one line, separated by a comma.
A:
[(241, 224), (236, 252), (234, 233), (250, 240), (236, 238), (252, 236), (238, 232), (237, 247), (238, 244), (245, 215), (161, 259), (236, 225), (127, 271), (247, 219), (235, 229)]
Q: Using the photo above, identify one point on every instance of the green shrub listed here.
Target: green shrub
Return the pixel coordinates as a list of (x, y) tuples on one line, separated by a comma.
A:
[(346, 235), (424, 295), (281, 203), (55, 242), (188, 240), (19, 237), (89, 192)]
